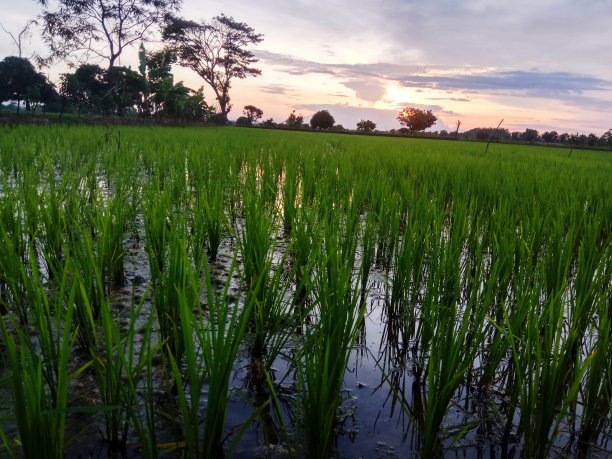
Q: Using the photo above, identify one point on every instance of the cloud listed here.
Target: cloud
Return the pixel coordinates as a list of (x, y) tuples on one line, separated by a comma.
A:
[(298, 66), (370, 90), (280, 89), (541, 84), (453, 99)]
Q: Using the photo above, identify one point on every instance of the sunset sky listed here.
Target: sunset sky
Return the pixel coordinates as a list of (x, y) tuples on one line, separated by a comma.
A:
[(544, 64)]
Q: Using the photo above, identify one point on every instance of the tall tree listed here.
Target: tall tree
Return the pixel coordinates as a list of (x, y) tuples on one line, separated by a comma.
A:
[(216, 51), (104, 28), (416, 120)]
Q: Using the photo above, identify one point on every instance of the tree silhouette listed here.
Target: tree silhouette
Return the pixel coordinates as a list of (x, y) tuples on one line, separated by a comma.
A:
[(294, 120), (103, 28), (366, 126), (252, 113), (19, 81), (322, 120), (216, 51), (416, 120)]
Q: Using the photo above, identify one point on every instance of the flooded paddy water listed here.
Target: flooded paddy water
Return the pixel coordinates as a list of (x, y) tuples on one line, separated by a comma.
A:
[(226, 292)]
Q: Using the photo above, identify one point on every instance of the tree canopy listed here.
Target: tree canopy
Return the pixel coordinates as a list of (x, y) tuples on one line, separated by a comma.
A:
[(252, 113), (366, 126), (216, 51), (103, 28), (294, 120), (322, 120), (19, 81), (416, 120)]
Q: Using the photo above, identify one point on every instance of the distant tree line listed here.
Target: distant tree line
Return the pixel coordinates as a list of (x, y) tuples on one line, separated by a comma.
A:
[(533, 136)]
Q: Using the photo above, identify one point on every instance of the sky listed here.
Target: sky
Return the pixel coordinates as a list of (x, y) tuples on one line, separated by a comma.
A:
[(542, 64)]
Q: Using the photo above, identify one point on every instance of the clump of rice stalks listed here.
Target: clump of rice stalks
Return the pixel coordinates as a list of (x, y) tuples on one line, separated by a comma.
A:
[(40, 377), (327, 345)]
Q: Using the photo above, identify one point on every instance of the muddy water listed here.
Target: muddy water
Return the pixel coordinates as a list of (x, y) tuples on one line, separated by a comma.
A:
[(379, 383)]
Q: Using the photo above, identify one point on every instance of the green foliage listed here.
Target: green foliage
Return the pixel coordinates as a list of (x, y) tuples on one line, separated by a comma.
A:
[(252, 113), (19, 81), (416, 120), (105, 28), (322, 120), (294, 120), (216, 51), (366, 126)]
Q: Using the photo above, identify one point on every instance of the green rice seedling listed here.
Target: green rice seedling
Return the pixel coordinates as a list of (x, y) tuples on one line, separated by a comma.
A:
[(173, 280), (290, 194), (219, 334), (197, 229), (388, 230), (215, 220), (456, 335), (302, 248), (47, 318), (597, 385), (165, 240), (220, 339), (157, 209), (547, 373), (368, 252), (255, 246), (591, 294), (111, 221), (28, 189), (190, 386), (87, 272), (327, 346), (13, 284), (51, 236), (118, 365), (265, 288), (40, 378), (143, 417)]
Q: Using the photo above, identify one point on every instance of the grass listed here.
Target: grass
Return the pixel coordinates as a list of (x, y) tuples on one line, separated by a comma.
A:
[(493, 275)]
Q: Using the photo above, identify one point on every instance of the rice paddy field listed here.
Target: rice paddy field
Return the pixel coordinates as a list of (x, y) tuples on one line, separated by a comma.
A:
[(254, 293)]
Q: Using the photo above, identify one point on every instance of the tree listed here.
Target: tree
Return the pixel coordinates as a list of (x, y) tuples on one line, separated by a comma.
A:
[(530, 135), (19, 81), (104, 28), (23, 34), (216, 51), (550, 137), (125, 88), (606, 139), (294, 120), (366, 126), (252, 113), (243, 121), (85, 88), (416, 120), (322, 120)]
